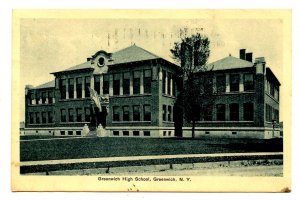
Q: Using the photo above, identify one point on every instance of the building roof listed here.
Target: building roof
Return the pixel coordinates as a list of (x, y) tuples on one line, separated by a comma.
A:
[(127, 55), (46, 85), (229, 62), (84, 65), (132, 54)]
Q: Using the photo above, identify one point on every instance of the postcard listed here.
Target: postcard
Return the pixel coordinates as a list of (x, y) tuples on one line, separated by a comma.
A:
[(151, 100)]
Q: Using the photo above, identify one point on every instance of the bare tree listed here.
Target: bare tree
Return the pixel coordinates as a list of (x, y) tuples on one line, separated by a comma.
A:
[(192, 53)]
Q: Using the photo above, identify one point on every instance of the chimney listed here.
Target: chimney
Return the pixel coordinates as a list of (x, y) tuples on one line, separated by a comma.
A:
[(249, 56), (243, 54), (260, 64)]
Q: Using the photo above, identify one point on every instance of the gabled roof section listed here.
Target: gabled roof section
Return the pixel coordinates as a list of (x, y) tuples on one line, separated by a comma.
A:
[(84, 65), (132, 54), (127, 55), (229, 62), (46, 85)]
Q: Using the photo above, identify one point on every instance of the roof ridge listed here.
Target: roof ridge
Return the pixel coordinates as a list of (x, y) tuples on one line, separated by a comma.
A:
[(134, 45)]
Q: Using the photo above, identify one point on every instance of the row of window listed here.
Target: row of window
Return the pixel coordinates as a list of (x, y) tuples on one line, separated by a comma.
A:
[(144, 76), (41, 117), (41, 97), (122, 113), (234, 82), (75, 115), (167, 113), (134, 133), (234, 112), (70, 132), (168, 87), (271, 114)]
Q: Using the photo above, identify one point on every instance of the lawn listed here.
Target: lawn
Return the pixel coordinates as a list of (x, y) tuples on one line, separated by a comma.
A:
[(111, 147)]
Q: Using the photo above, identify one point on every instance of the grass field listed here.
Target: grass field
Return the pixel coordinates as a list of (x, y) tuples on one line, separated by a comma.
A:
[(56, 149)]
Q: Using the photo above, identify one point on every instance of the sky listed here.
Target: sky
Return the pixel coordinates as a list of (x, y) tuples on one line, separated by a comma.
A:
[(50, 45)]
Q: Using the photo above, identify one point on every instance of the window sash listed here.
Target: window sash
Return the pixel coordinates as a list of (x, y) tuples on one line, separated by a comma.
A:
[(220, 112), (136, 113), (126, 113), (147, 113), (234, 82), (221, 83)]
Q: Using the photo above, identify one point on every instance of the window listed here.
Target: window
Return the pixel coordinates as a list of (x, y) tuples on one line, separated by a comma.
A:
[(136, 82), (125, 113), (147, 113), (79, 114), (116, 115), (70, 132), (169, 84), (174, 85), (62, 132), (87, 112), (272, 89), (50, 97), (125, 133), (63, 115), (87, 84), (270, 113), (164, 82), (116, 84), (116, 133), (106, 84), (234, 112), (208, 84), (248, 82), (221, 83), (97, 83), (169, 113), (44, 117), (207, 112), (276, 93), (44, 97), (147, 81), (276, 115), (71, 87), (71, 115), (31, 118), (248, 111), (50, 117), (136, 133), (146, 133), (78, 132), (37, 118), (126, 83), (79, 87), (38, 96), (220, 112), (62, 88), (234, 82), (164, 113), (136, 113), (32, 98)]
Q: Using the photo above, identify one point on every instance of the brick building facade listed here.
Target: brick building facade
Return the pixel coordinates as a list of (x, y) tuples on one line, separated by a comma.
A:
[(140, 89), (139, 86), (244, 102)]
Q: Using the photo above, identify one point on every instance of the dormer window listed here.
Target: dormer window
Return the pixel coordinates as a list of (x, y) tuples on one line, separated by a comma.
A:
[(101, 61)]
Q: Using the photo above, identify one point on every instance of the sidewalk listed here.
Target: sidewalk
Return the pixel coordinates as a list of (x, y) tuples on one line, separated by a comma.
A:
[(85, 163)]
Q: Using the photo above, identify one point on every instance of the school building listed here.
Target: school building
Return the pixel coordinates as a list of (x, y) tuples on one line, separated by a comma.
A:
[(138, 91)]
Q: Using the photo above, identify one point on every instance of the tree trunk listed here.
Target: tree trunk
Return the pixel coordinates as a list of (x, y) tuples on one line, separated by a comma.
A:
[(193, 128)]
